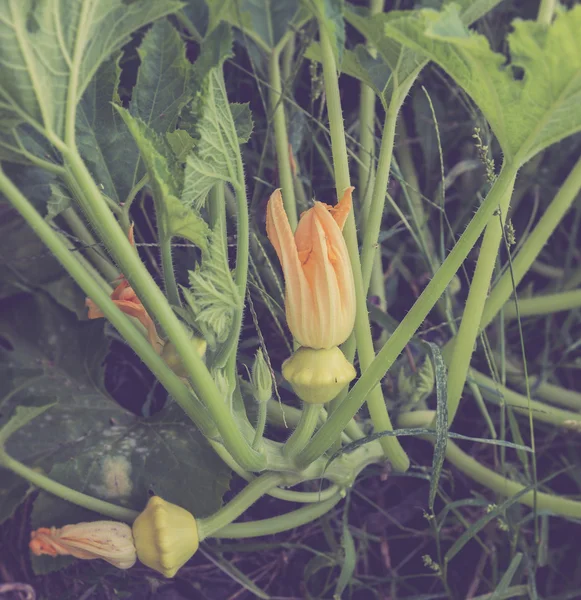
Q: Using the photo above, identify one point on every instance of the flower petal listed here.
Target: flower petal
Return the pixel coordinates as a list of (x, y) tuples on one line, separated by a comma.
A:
[(340, 211), (94, 310), (298, 301), (108, 540)]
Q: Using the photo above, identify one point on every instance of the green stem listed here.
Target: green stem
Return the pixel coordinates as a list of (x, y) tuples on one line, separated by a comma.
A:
[(80, 231), (375, 401), (544, 305), (228, 352), (169, 276), (246, 498), (374, 219), (126, 209), (287, 57), (281, 494), (533, 245), (285, 522), (548, 271), (540, 501), (497, 393), (120, 321), (285, 416), (275, 96), (66, 493), (366, 179), (555, 394), (546, 11), (260, 425), (468, 331), (409, 325), (408, 170), (304, 430), (105, 285)]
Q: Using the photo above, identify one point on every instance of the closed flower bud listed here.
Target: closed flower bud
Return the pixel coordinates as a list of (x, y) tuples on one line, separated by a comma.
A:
[(172, 358), (261, 379), (317, 376), (109, 540), (166, 536)]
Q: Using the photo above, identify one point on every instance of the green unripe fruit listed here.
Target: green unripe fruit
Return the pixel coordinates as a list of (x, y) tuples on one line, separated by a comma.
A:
[(318, 375)]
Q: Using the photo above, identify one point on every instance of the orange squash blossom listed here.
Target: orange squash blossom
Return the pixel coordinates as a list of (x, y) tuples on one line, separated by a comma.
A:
[(319, 287), (109, 540), (128, 302)]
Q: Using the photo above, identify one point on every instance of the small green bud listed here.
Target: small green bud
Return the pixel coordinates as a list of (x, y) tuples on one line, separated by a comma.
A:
[(318, 375), (172, 358), (224, 388), (261, 379)]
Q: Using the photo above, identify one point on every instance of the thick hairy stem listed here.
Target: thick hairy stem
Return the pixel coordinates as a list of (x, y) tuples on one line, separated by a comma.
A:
[(468, 331), (281, 138), (375, 401)]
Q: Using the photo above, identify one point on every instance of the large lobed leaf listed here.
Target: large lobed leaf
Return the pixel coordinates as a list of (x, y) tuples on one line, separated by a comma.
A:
[(161, 90), (52, 371), (396, 66), (50, 51), (526, 113)]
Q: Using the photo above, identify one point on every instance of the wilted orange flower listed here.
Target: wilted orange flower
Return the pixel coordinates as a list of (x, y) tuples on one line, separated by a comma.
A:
[(128, 302), (319, 288), (109, 540)]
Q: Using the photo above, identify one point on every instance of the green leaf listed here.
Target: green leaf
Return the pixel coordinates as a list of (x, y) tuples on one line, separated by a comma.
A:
[(441, 421), (103, 139), (21, 416), (216, 156), (329, 14), (404, 63), (401, 65), (173, 218), (25, 263), (59, 200), (267, 20), (243, 123), (162, 87), (213, 296), (526, 114), (181, 143), (504, 583), (13, 491), (359, 64), (53, 357), (51, 49), (476, 526), (161, 90)]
